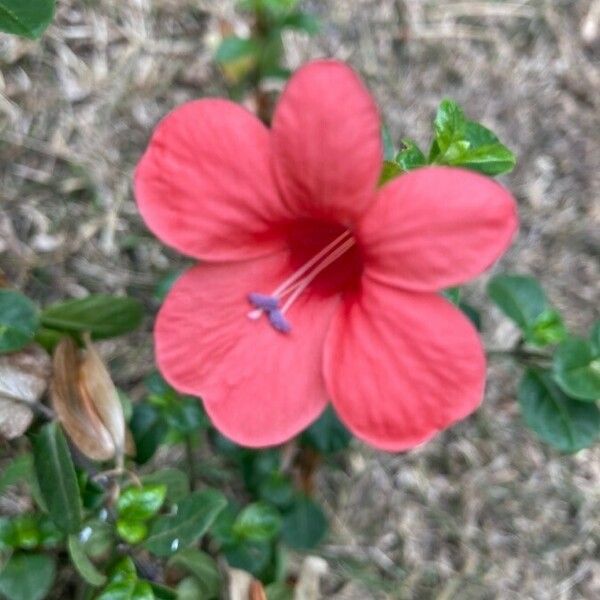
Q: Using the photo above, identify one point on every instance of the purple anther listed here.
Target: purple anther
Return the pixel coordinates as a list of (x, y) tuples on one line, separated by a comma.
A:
[(278, 321), (262, 301)]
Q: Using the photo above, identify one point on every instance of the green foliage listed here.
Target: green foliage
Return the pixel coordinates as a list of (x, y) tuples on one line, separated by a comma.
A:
[(577, 368), (411, 156), (204, 569), (56, 477), (304, 525), (101, 315), (27, 18), (27, 576), (175, 481), (522, 299), (124, 584), (195, 514), (257, 522), (29, 531), (85, 567), (327, 434), (19, 319), (137, 505), (565, 423)]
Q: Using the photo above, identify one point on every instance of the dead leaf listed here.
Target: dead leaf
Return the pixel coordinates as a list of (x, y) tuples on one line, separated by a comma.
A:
[(75, 410), (24, 377), (257, 591)]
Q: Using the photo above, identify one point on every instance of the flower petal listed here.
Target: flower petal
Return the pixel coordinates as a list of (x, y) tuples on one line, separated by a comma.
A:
[(327, 142), (260, 387), (205, 184), (401, 366), (436, 227)]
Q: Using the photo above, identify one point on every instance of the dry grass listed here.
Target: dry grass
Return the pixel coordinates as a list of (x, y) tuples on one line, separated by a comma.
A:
[(484, 511)]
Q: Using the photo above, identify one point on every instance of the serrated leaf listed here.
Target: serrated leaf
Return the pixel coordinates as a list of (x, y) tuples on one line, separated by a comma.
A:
[(203, 567), (19, 319), (566, 424), (27, 18), (56, 477), (305, 525), (577, 369), (24, 377), (101, 315), (85, 567), (27, 576), (258, 522), (194, 516)]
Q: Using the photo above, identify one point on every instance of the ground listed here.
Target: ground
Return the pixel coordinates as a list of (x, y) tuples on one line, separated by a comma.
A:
[(483, 511)]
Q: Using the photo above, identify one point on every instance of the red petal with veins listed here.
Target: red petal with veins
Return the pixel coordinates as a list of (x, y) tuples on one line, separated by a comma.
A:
[(402, 366)]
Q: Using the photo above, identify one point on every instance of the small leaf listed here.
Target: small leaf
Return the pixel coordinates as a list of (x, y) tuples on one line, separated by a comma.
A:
[(56, 477), (547, 329), (410, 157), (133, 532), (234, 48), (449, 125), (577, 369), (101, 315), (148, 429), (19, 320), (141, 503), (27, 576), (566, 424), (305, 525), (327, 434), (194, 516), (24, 377), (27, 18), (85, 567), (389, 171), (203, 567), (176, 481), (277, 489), (258, 522)]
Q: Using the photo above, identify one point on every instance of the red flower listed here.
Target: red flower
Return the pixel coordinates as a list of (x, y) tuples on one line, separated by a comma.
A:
[(314, 285)]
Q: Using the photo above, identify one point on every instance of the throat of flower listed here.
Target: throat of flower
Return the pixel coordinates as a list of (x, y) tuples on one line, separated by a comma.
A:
[(276, 304)]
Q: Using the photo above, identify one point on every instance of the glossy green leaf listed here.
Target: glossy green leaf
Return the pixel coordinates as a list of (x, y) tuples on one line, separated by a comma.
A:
[(27, 576), (140, 503), (132, 532), (203, 567), (305, 525), (258, 522), (27, 18), (97, 538), (194, 516), (566, 424), (103, 316), (327, 434), (389, 171), (85, 567), (577, 369), (56, 477), (522, 299), (19, 320), (176, 481), (411, 156), (148, 429)]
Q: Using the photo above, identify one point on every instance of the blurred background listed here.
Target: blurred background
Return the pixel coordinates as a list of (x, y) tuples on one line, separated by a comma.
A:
[(483, 511)]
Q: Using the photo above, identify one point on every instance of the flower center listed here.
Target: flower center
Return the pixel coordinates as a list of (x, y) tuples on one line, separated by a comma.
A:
[(278, 302)]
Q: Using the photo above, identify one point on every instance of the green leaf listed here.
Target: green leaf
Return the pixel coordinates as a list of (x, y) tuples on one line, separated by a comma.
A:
[(577, 369), (234, 48), (277, 489), (522, 299), (248, 555), (389, 171), (203, 567), (302, 22), (21, 468), (327, 434), (27, 18), (305, 525), (411, 156), (19, 320), (148, 429), (489, 160), (141, 503), (133, 532), (258, 522), (27, 576), (194, 516), (97, 538), (103, 316), (56, 477), (279, 591), (449, 125), (176, 481), (566, 424), (85, 567)]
